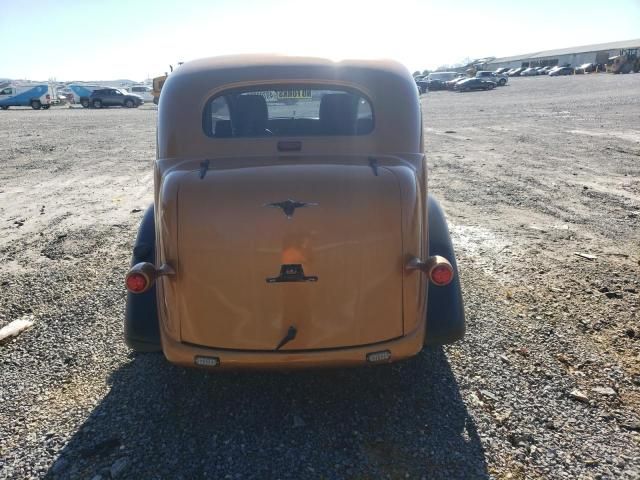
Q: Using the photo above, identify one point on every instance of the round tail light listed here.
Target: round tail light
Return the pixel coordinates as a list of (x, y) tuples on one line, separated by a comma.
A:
[(141, 276), (437, 268), (137, 282), (441, 274)]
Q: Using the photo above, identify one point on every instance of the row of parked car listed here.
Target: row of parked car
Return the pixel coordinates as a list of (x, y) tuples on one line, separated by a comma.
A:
[(488, 80), (43, 96), (460, 82), (549, 70)]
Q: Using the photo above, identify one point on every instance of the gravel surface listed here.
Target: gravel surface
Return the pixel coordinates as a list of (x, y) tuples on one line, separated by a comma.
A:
[(546, 383)]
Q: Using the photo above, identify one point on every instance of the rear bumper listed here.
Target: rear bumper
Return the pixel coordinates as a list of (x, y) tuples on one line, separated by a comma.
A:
[(185, 354)]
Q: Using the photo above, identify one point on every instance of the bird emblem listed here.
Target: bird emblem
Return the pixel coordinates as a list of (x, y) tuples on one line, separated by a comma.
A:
[(289, 206)]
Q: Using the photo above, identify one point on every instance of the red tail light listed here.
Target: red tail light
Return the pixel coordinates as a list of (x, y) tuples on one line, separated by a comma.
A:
[(141, 276), (137, 282), (441, 274), (437, 268)]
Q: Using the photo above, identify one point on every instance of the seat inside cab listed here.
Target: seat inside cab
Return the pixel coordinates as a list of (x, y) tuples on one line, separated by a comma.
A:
[(272, 113)]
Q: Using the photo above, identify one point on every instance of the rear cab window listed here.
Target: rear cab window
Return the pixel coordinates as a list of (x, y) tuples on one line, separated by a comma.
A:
[(288, 111)]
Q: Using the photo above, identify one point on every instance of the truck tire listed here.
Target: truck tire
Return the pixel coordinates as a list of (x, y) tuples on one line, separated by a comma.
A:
[(46, 107), (97, 104), (36, 105), (85, 102), (141, 327), (5, 107), (445, 321)]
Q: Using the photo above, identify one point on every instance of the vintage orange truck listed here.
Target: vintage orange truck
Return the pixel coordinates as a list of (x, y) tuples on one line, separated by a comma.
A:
[(291, 224)]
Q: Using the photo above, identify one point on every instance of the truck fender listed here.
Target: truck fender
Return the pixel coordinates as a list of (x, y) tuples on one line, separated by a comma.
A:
[(445, 321), (141, 327)]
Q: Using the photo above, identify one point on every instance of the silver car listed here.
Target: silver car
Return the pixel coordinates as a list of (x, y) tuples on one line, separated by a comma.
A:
[(529, 72), (499, 79)]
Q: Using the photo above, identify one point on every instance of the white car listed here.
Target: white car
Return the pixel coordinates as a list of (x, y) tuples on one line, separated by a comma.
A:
[(529, 72), (144, 91)]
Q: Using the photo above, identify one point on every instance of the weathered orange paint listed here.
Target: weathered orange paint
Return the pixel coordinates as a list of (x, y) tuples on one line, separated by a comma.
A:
[(223, 242)]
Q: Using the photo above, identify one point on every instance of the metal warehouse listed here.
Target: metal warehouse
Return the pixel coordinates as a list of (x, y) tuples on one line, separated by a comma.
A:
[(574, 56)]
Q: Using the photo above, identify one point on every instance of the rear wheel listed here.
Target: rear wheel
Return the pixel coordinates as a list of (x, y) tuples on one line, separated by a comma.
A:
[(36, 105), (85, 102), (97, 104), (502, 82), (129, 103), (46, 107)]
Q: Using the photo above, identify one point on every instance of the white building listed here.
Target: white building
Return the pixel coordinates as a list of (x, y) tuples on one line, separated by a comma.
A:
[(574, 56)]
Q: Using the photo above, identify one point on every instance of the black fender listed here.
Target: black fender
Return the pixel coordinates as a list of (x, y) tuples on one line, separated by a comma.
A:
[(445, 310), (141, 327)]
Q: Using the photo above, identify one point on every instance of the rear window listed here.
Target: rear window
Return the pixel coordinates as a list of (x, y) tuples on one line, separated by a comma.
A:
[(288, 111)]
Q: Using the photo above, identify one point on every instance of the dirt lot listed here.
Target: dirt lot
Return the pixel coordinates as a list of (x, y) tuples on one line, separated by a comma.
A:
[(546, 383)]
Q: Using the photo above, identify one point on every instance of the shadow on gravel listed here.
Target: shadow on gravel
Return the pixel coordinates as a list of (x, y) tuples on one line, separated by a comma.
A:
[(164, 422)]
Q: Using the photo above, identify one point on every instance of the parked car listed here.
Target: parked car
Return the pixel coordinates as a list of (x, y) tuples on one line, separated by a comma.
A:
[(557, 71), (143, 91), (474, 84), (501, 70), (438, 80), (65, 97), (82, 92), (516, 72), (436, 84), (112, 97), (585, 68), (529, 72), (545, 70), (34, 96), (423, 83), (499, 78), (451, 83), (291, 235)]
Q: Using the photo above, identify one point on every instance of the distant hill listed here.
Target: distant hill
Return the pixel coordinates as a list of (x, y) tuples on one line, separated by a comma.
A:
[(116, 83), (120, 81)]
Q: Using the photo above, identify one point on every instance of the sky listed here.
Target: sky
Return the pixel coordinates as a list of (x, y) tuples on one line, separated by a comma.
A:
[(129, 39)]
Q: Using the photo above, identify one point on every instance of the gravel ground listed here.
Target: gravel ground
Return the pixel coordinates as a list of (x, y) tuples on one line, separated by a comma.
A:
[(546, 383)]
